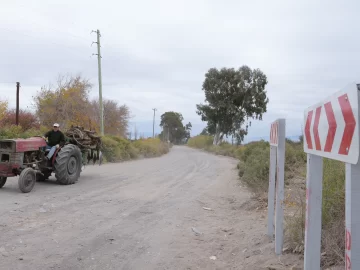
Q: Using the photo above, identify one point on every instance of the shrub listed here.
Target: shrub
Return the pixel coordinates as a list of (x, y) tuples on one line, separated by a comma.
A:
[(151, 147), (333, 214), (200, 142), (333, 211), (27, 119), (13, 131), (120, 149)]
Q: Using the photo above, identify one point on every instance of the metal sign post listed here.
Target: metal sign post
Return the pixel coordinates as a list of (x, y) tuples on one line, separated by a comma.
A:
[(332, 131), (276, 171)]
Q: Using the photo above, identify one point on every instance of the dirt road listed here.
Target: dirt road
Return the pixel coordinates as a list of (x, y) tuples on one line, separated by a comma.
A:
[(146, 214)]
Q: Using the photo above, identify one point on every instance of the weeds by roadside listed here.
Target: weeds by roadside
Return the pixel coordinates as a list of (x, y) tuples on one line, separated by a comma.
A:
[(254, 172)]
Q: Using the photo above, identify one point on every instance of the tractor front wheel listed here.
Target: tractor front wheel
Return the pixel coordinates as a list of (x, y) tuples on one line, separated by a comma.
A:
[(68, 164), (2, 181), (27, 180)]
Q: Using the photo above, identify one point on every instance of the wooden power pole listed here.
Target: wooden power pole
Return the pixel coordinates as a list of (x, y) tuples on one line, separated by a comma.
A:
[(17, 102)]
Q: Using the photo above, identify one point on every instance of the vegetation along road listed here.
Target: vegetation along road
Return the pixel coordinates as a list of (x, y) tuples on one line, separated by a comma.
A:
[(184, 210)]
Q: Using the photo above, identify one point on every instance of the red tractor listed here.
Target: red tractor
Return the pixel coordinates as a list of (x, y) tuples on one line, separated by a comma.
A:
[(26, 158)]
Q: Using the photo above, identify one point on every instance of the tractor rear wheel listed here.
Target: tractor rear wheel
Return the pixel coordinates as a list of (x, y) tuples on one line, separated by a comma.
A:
[(2, 181), (68, 164), (27, 180)]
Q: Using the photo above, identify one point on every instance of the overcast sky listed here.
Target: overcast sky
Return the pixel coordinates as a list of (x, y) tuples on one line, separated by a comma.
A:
[(156, 53)]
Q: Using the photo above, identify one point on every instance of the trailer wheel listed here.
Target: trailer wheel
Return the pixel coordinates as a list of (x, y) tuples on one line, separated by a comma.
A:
[(27, 180), (2, 181), (68, 164)]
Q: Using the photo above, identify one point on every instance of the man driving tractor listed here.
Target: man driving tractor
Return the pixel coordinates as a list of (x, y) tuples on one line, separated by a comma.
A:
[(55, 138)]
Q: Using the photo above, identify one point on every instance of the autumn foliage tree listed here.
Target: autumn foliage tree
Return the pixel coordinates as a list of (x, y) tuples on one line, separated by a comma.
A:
[(68, 103), (116, 117)]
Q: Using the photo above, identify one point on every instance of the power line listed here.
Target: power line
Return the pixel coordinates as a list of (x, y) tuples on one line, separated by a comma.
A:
[(51, 28), (65, 46), (7, 82)]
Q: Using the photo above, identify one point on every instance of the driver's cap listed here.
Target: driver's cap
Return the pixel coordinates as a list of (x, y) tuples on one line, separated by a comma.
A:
[(56, 125)]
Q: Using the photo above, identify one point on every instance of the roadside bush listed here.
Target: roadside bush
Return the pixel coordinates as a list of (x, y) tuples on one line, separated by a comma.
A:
[(333, 211), (333, 214), (200, 142), (254, 166), (13, 131), (151, 147), (123, 149), (116, 149), (119, 149), (206, 143)]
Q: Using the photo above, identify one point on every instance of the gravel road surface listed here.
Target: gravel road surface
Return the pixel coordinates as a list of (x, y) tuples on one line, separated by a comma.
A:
[(185, 210)]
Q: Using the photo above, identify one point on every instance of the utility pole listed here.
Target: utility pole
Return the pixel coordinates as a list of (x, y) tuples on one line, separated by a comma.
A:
[(17, 102), (154, 123), (100, 81)]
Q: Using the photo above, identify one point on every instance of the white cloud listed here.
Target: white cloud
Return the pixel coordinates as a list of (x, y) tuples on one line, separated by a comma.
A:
[(155, 53)]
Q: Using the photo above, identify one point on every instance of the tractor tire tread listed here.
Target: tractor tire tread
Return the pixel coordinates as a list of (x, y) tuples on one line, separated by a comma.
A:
[(60, 165)]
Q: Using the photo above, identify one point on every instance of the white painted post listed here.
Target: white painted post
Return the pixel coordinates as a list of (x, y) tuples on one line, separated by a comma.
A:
[(352, 232), (279, 222), (314, 180), (271, 195)]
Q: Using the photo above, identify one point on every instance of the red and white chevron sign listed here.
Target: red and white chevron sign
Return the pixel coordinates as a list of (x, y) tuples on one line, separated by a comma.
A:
[(331, 127), (274, 131)]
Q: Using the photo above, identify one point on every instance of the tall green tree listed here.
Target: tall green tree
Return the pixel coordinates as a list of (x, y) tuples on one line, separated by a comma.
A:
[(232, 97), (173, 128)]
